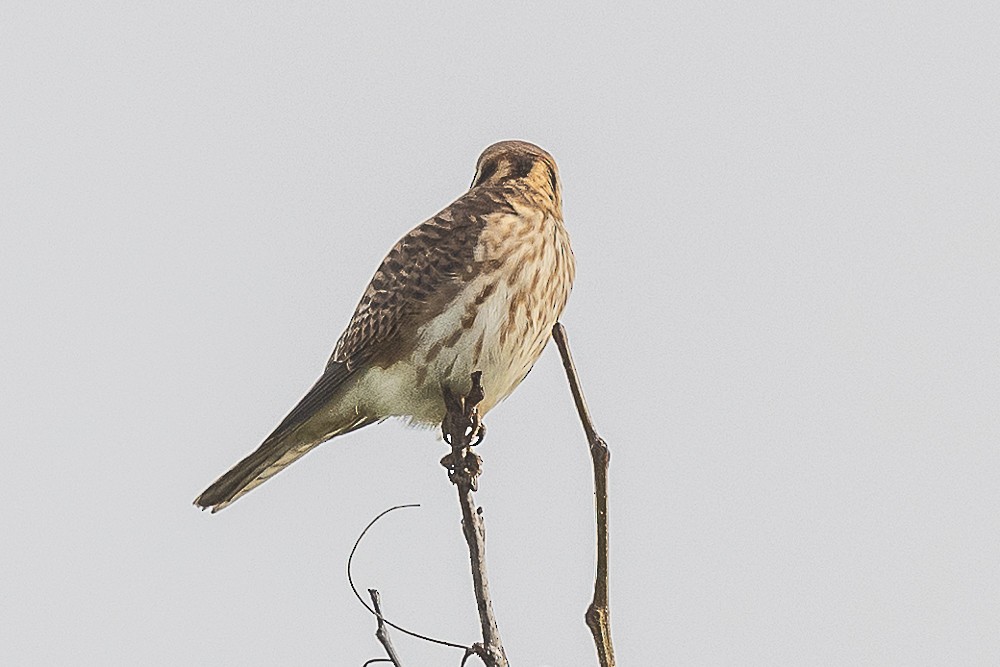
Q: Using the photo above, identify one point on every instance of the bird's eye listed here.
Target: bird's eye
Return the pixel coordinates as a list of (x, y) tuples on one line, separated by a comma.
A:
[(522, 166)]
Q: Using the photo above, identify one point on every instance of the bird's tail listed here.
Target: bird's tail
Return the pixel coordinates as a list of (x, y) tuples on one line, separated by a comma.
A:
[(264, 463), (306, 426)]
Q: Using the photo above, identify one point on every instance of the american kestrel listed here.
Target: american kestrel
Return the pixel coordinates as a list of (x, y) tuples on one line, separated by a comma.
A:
[(477, 287)]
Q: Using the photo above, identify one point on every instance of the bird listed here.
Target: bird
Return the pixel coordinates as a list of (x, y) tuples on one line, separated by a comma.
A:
[(477, 287)]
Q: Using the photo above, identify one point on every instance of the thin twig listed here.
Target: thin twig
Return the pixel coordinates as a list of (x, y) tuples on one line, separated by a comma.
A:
[(463, 430), (598, 614), (382, 633)]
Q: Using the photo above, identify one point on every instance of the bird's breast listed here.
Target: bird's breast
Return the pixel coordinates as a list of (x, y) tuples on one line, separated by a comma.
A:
[(498, 322)]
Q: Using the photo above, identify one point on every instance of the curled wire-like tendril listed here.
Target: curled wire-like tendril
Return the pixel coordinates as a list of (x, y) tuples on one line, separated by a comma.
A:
[(350, 580)]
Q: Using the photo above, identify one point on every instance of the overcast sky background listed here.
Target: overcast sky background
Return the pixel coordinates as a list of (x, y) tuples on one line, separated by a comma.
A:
[(787, 319)]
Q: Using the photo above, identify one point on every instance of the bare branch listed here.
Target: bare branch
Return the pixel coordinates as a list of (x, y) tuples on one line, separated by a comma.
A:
[(462, 430), (598, 614), (382, 633)]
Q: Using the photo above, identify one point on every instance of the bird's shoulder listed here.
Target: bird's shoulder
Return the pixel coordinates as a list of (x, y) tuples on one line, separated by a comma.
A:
[(423, 271)]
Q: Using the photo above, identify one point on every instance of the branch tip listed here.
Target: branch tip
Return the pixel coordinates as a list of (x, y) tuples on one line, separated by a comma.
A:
[(598, 615)]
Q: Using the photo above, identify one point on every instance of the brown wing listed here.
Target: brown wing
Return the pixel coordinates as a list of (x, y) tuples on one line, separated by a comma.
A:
[(421, 273)]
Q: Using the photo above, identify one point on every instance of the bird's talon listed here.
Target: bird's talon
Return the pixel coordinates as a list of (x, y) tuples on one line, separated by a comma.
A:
[(479, 435)]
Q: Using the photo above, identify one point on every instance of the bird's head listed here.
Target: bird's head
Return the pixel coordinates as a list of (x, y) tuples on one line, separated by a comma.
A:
[(509, 161)]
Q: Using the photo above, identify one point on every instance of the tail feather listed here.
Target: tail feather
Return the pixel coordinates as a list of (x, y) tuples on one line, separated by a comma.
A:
[(298, 433), (264, 463)]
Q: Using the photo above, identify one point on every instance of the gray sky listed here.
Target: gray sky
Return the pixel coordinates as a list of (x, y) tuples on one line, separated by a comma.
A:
[(787, 318)]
